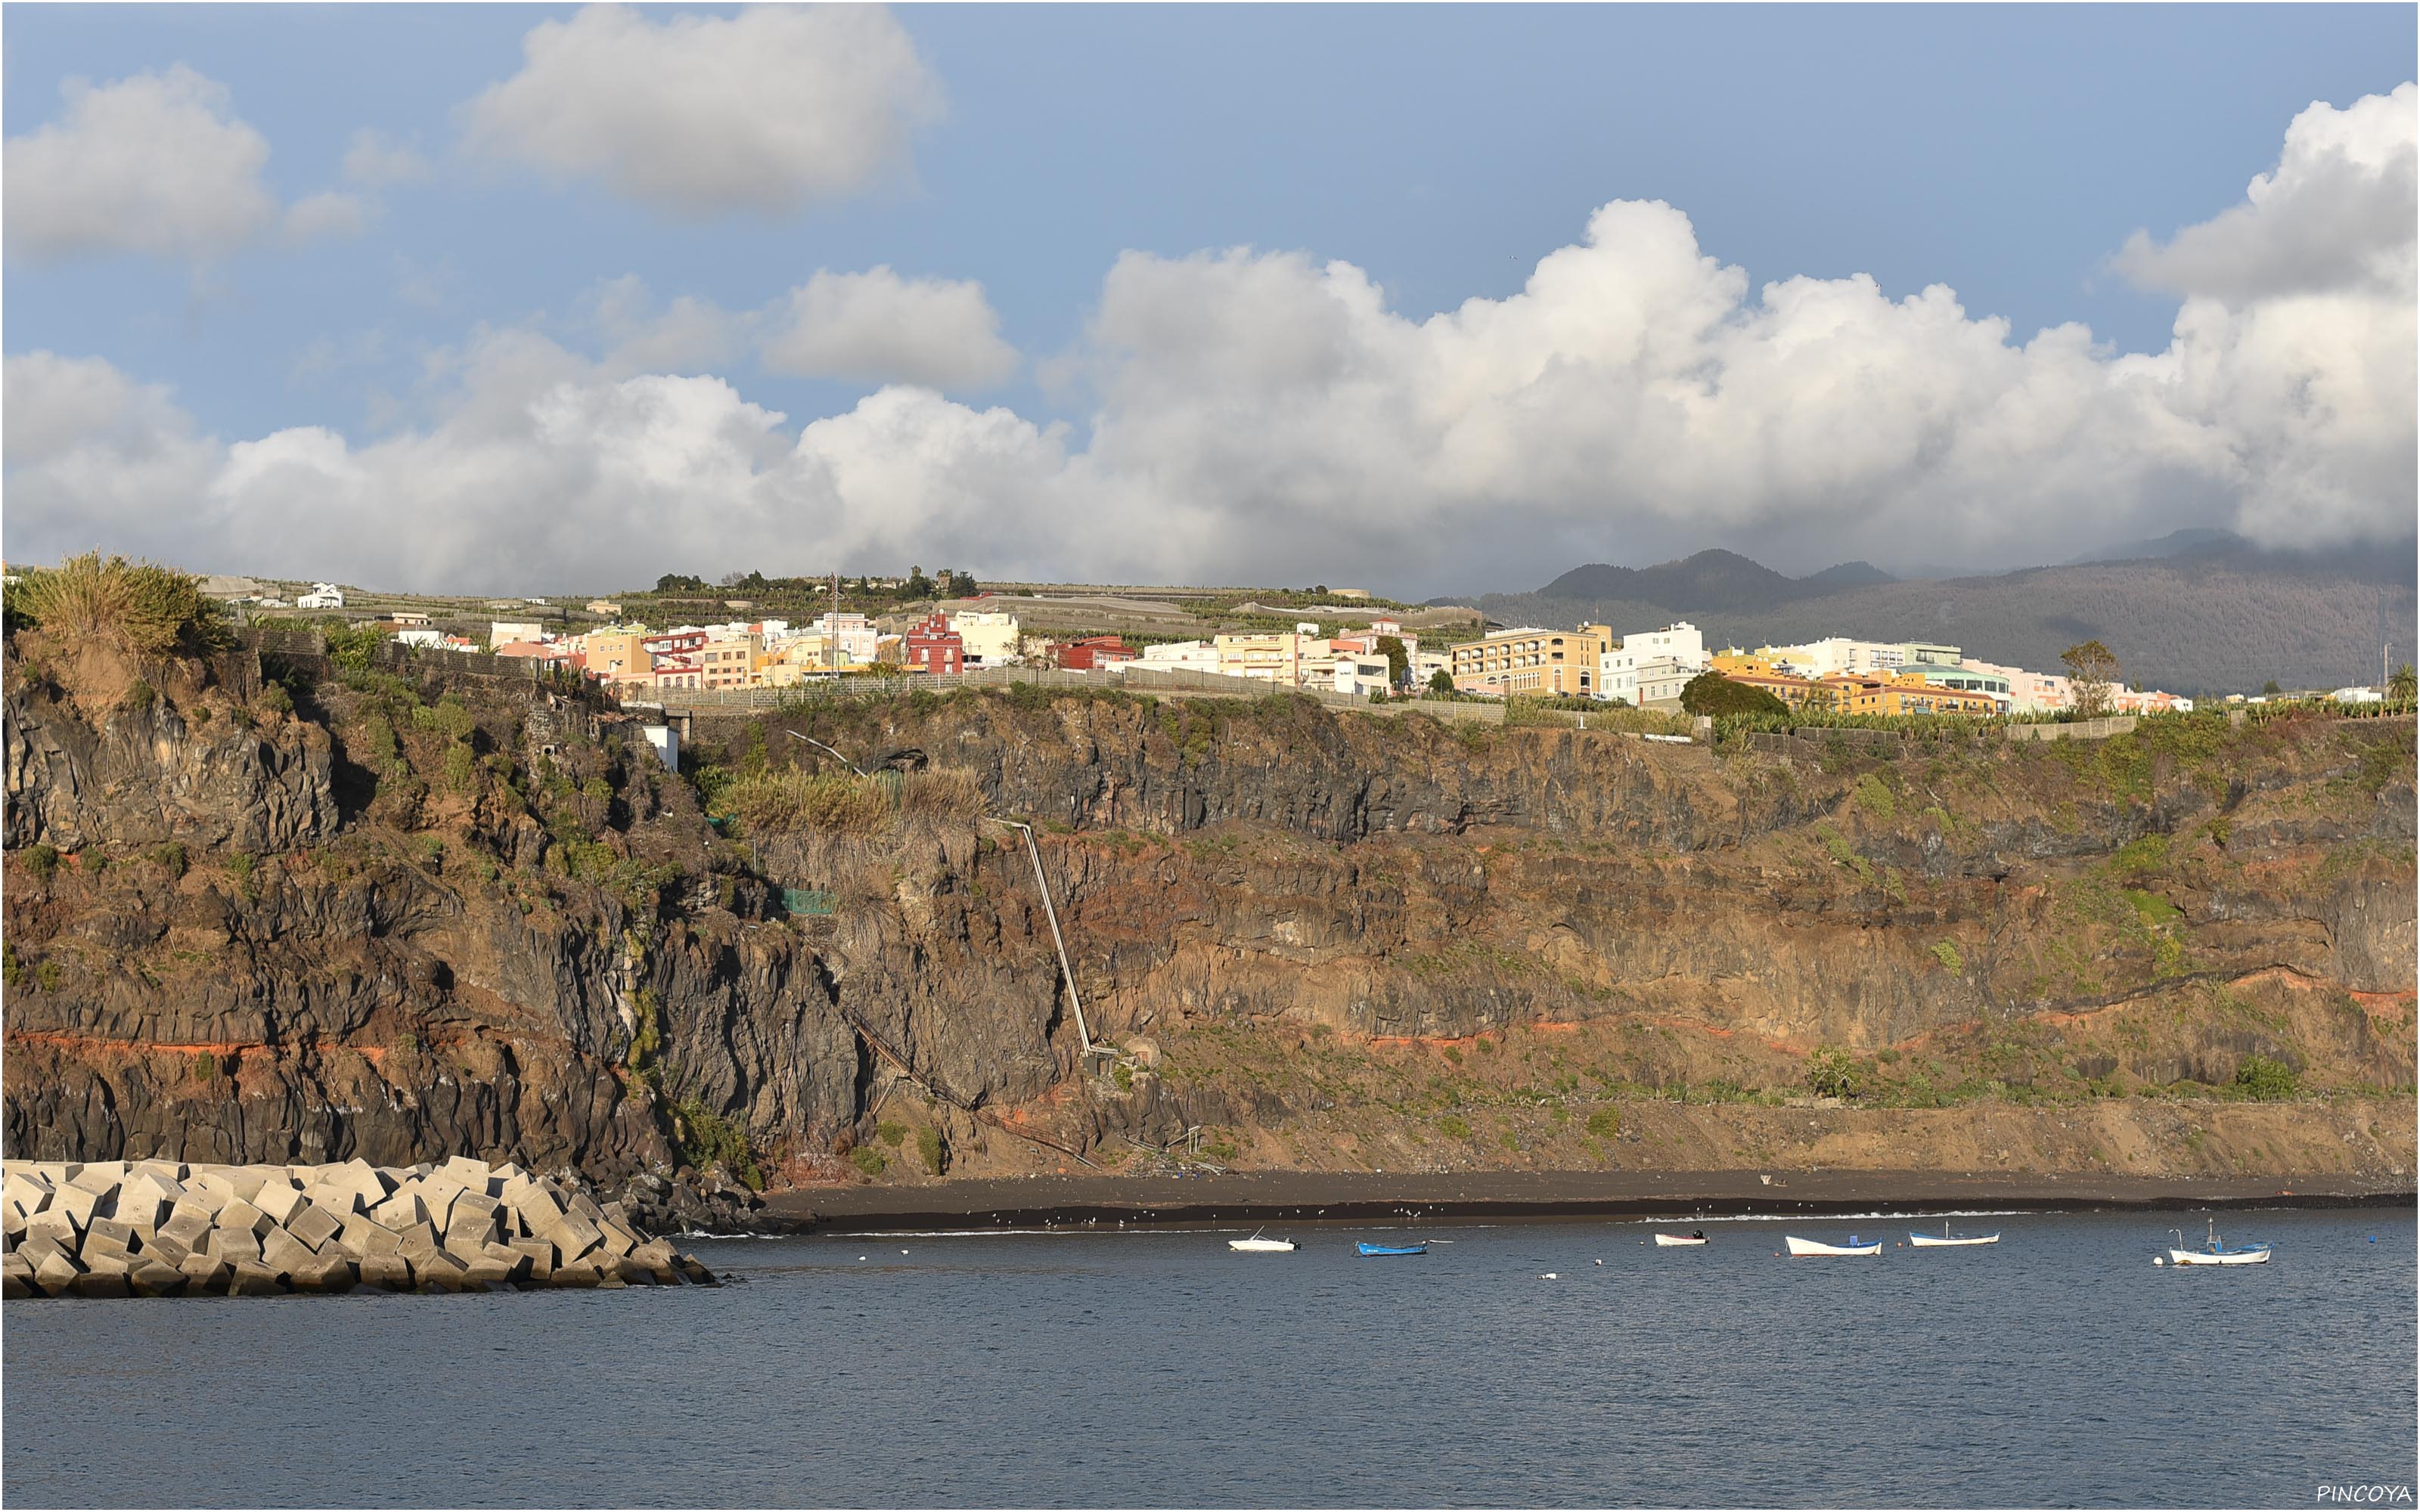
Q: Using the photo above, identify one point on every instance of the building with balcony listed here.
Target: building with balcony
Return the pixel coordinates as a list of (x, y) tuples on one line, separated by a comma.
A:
[(1533, 662)]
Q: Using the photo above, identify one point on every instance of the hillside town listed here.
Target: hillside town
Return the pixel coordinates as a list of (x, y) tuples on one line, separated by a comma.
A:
[(1647, 669)]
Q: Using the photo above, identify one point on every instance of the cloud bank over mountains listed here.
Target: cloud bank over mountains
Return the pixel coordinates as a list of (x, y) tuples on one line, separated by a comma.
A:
[(1265, 416)]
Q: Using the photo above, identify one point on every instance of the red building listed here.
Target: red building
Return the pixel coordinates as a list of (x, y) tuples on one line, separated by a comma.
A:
[(932, 647), (1095, 651)]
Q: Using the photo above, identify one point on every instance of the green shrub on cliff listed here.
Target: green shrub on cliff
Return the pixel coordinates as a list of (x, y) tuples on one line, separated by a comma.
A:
[(39, 861), (868, 1158), (137, 607), (831, 802), (1604, 1123), (1831, 1073), (704, 1137), (928, 1144), (2264, 1080)]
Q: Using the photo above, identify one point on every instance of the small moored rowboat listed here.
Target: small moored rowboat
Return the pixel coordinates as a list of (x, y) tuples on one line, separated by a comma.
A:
[(1676, 1241), (2215, 1252), (1258, 1246), (1808, 1246), (1368, 1248), (1944, 1239)]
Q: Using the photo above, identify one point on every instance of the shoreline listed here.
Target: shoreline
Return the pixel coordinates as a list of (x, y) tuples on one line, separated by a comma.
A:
[(1359, 1197)]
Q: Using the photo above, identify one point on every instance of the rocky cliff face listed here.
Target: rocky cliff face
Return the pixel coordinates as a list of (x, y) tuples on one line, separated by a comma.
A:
[(338, 911)]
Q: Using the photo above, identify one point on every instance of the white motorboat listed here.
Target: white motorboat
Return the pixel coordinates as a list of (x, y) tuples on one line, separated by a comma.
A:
[(1944, 1239), (1677, 1240), (1854, 1246), (2214, 1251), (1258, 1246)]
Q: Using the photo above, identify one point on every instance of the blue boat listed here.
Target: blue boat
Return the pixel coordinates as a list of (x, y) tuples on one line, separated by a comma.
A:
[(1368, 1248)]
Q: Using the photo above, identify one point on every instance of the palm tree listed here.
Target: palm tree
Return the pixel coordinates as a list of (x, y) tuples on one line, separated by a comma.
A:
[(2403, 684)]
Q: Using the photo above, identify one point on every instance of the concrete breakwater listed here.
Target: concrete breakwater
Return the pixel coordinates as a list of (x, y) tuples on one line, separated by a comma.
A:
[(158, 1228)]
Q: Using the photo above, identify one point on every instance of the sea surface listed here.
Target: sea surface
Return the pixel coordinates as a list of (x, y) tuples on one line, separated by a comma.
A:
[(2058, 1367)]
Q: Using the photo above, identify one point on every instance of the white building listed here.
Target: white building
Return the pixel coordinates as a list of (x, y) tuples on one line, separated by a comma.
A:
[(1427, 663), (1660, 679), (1839, 653), (2028, 692), (853, 638), (1361, 673), (2358, 695), (1617, 670), (322, 596), (504, 632), (990, 639), (1180, 655)]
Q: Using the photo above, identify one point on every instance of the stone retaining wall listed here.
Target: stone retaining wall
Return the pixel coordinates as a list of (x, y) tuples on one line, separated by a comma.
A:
[(158, 1228)]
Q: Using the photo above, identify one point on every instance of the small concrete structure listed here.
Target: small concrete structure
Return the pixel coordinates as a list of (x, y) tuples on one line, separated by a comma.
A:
[(160, 1228)]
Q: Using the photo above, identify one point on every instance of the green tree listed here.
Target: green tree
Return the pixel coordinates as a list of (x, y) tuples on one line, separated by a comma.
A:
[(2404, 683), (2093, 669), (678, 582), (1398, 661), (1441, 681), (1714, 693), (2270, 688)]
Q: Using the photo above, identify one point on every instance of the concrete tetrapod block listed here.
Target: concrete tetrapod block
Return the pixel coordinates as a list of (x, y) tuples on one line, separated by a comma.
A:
[(105, 1275), (313, 1225), (475, 1174), (364, 1237), (403, 1211), (658, 1256), (279, 1202), (107, 1236), (284, 1253), (335, 1201), (167, 1248), (188, 1225), (540, 1256), (16, 1279), (254, 1279), (573, 1235), (618, 1239), (323, 1273), (539, 1208), (243, 1218), (508, 1264), (152, 1277), (435, 1269), (54, 1223), (389, 1271), (99, 1177), (204, 1273), (166, 1170), (235, 1245), (578, 1273), (55, 1272), (79, 1203)]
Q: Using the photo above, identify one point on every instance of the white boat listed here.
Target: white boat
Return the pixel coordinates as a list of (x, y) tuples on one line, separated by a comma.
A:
[(1676, 1241), (2214, 1251), (1808, 1246), (1257, 1245), (1944, 1239)]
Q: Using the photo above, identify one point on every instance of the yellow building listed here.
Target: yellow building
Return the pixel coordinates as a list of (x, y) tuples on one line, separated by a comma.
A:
[(729, 662), (1542, 663), (1289, 658)]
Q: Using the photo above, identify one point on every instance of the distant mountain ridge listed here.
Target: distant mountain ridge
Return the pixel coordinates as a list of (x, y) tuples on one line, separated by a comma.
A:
[(1711, 579), (2196, 611)]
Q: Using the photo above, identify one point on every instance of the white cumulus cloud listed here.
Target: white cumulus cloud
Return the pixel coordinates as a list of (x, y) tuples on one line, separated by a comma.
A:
[(877, 327), (1265, 416), (765, 111), (2335, 215), (330, 214), (153, 163)]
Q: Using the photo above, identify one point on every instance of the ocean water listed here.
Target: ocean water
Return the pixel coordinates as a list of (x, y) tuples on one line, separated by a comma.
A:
[(2058, 1367)]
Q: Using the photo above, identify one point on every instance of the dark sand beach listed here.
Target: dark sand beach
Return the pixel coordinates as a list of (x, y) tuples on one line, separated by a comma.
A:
[(1298, 1196)]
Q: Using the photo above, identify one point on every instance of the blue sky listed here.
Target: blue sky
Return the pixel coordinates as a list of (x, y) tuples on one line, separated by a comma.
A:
[(2005, 152)]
